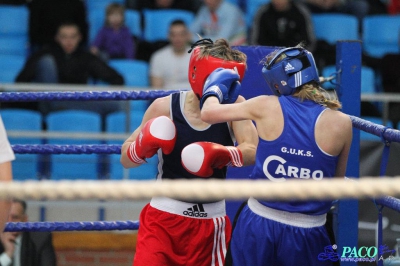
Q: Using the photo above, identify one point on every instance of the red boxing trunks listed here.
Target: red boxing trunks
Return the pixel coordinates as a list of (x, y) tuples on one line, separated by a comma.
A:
[(176, 233)]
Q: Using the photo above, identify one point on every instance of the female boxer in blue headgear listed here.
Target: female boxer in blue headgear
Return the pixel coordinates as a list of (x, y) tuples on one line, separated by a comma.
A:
[(301, 136)]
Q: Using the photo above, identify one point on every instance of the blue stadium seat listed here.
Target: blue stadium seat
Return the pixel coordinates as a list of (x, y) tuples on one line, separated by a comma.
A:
[(10, 66), (96, 18), (71, 166), (236, 2), (13, 45), (25, 167), (101, 4), (332, 27), (381, 34), (133, 22), (139, 105), (365, 136), (14, 20), (135, 72), (367, 80), (251, 9), (116, 123), (157, 22)]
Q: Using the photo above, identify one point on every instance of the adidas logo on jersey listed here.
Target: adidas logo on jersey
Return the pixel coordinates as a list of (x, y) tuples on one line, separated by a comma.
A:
[(196, 211), (288, 67)]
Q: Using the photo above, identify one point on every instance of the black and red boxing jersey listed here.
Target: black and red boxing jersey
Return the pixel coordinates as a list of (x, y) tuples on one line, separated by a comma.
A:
[(170, 166)]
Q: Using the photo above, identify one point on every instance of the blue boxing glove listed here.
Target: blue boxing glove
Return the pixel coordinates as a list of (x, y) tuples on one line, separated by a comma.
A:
[(223, 84)]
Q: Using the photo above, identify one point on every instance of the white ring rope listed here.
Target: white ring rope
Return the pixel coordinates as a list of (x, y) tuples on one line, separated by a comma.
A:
[(365, 187)]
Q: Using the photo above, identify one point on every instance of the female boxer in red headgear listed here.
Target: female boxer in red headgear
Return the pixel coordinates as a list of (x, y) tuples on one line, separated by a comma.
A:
[(177, 232)]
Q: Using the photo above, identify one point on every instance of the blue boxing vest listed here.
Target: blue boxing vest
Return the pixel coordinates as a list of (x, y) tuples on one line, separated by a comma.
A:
[(295, 154), (170, 166)]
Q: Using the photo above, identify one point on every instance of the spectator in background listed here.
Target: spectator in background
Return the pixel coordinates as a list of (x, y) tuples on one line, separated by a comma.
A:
[(67, 63), (220, 19), (169, 64), (47, 15), (25, 248), (145, 48), (6, 156), (114, 40), (283, 23)]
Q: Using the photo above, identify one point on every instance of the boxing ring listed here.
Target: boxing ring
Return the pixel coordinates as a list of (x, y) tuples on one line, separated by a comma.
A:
[(382, 191)]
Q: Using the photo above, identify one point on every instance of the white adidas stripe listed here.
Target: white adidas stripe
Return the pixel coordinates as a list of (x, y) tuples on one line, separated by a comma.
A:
[(132, 152), (223, 239), (215, 241), (235, 156), (219, 242), (297, 79)]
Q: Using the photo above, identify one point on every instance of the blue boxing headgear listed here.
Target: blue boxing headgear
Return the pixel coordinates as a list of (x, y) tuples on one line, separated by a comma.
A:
[(293, 71)]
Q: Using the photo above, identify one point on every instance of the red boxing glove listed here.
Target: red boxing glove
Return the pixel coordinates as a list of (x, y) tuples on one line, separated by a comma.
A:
[(200, 158), (157, 133)]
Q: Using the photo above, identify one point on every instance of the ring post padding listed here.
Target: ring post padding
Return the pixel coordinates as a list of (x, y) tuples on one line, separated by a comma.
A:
[(348, 60)]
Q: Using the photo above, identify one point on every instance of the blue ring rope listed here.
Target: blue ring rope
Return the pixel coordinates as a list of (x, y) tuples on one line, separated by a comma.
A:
[(83, 95), (381, 131), (66, 149), (71, 226)]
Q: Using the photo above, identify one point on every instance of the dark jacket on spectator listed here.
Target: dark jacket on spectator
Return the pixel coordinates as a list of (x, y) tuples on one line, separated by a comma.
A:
[(75, 68), (188, 5), (47, 15), (13, 2), (36, 249), (287, 28)]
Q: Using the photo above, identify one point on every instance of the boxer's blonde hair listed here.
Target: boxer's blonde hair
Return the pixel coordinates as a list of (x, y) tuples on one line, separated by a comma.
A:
[(314, 92)]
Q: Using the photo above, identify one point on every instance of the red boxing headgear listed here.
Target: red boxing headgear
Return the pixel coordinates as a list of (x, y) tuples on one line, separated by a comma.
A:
[(201, 68)]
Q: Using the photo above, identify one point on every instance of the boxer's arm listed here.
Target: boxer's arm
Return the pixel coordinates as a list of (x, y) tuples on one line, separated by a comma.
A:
[(243, 128), (247, 140), (246, 136), (5, 205), (160, 107)]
